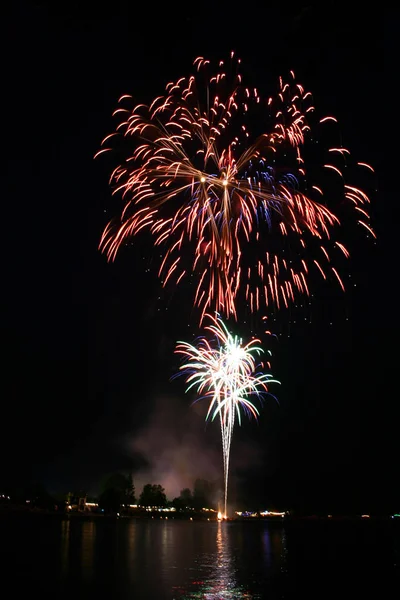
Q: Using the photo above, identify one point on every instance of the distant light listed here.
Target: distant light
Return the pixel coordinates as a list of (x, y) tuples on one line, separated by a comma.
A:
[(271, 514), (202, 179)]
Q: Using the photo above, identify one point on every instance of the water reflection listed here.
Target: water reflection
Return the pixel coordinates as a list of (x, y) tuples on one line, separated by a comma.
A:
[(87, 549), (213, 561), (274, 542), (65, 535), (77, 548), (167, 544), (220, 582), (179, 560), (284, 552), (131, 546), (267, 548)]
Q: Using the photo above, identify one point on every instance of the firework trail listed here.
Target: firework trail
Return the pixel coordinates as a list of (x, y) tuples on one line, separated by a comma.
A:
[(226, 374), (247, 209)]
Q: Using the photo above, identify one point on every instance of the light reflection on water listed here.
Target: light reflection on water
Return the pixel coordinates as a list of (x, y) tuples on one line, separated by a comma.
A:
[(221, 567), (78, 556), (220, 581), (183, 560), (65, 527), (87, 550), (189, 559)]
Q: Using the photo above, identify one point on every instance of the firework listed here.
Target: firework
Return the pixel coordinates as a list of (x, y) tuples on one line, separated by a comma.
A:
[(227, 374), (221, 179)]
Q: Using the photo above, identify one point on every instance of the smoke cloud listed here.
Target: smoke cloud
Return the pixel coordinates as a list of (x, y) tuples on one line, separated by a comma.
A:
[(178, 447)]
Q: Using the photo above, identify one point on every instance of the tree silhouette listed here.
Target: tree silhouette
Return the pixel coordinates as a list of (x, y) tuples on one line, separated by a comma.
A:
[(153, 495), (184, 500), (187, 497), (117, 490), (202, 494), (130, 490)]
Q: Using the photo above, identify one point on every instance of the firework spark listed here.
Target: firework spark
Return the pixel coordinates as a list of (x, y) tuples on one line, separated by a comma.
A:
[(198, 179), (226, 373)]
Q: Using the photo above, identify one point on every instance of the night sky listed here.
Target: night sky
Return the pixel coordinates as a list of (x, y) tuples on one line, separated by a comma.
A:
[(88, 346)]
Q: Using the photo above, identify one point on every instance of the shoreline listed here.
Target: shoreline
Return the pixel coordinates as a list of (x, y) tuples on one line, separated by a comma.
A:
[(187, 516)]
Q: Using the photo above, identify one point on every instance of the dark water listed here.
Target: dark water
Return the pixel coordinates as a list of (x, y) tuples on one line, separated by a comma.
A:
[(48, 557)]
